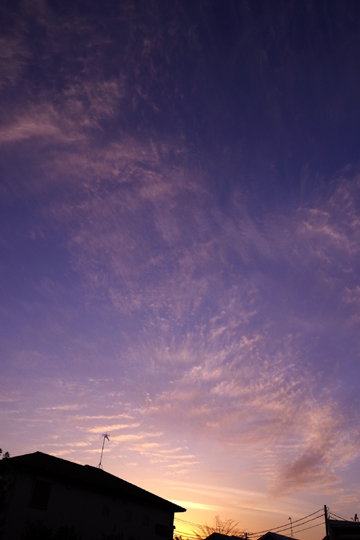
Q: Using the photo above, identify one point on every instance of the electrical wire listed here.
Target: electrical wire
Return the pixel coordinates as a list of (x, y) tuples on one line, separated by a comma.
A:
[(281, 528), (187, 522), (289, 528), (312, 527), (186, 534), (286, 526), (339, 517), (302, 523)]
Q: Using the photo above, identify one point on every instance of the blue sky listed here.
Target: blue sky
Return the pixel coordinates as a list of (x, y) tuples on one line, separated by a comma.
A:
[(180, 248)]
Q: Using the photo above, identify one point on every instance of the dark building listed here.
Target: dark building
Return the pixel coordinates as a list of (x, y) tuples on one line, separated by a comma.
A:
[(219, 536), (42, 488), (275, 536), (343, 530)]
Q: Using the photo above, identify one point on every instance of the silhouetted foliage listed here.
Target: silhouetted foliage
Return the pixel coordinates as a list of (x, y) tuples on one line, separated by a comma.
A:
[(228, 527), (67, 533), (37, 531)]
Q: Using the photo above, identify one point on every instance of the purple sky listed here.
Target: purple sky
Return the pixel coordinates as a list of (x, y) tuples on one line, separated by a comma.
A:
[(180, 248)]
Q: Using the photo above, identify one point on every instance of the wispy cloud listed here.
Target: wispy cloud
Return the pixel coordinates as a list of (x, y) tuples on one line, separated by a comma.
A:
[(194, 319), (238, 366), (112, 427), (190, 504), (14, 56), (132, 437)]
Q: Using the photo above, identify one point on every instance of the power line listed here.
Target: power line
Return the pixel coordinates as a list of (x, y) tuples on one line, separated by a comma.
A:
[(302, 519), (281, 528), (286, 526), (303, 522), (312, 527), (190, 536), (299, 524), (339, 517), (186, 534), (187, 522)]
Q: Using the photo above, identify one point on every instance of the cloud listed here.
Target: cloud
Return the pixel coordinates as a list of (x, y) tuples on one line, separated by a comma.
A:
[(112, 427), (225, 340), (199, 506), (312, 467), (226, 320), (33, 124), (247, 399), (174, 461), (14, 56), (70, 407), (101, 417), (132, 437), (81, 109), (182, 464), (239, 357)]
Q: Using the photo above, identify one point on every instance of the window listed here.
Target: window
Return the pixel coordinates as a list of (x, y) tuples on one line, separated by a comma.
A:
[(162, 530), (40, 494)]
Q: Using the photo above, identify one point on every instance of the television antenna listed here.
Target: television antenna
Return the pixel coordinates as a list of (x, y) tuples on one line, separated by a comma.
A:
[(105, 436)]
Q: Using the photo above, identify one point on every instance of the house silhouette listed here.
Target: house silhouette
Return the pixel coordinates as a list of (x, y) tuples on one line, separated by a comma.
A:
[(43, 488), (343, 530), (268, 536), (275, 536)]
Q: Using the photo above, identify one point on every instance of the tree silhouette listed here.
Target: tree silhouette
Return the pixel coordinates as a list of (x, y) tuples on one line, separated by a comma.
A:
[(228, 527)]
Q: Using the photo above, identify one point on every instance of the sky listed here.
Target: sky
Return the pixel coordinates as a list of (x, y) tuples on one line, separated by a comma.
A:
[(180, 249)]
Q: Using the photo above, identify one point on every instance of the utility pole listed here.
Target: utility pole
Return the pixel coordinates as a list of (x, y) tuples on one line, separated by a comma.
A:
[(292, 536), (326, 521), (105, 436)]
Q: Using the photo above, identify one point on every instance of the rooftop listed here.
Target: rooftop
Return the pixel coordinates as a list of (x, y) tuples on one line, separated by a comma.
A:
[(89, 477)]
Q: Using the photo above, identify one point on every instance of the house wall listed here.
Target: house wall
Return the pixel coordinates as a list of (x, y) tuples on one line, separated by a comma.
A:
[(91, 513), (344, 530)]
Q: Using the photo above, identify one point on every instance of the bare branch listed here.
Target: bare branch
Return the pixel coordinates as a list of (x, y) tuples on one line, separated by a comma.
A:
[(228, 527)]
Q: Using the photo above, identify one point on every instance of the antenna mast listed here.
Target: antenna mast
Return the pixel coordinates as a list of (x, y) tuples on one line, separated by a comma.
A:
[(105, 436)]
